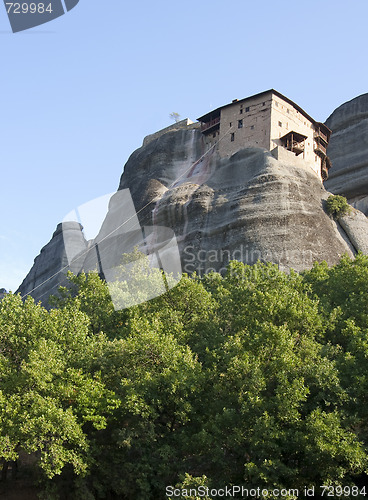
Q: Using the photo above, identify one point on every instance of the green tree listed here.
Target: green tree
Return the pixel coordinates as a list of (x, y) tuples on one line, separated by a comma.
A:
[(49, 397), (255, 378), (175, 116), (337, 206)]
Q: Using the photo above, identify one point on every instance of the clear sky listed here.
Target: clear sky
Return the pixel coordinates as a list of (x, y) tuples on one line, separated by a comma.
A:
[(80, 93)]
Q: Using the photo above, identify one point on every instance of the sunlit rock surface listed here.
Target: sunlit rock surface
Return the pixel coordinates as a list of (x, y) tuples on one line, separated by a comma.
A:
[(247, 207), (348, 150)]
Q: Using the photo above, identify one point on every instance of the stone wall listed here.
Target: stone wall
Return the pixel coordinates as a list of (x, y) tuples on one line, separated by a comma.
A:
[(284, 119), (289, 158), (183, 124), (253, 130), (261, 122)]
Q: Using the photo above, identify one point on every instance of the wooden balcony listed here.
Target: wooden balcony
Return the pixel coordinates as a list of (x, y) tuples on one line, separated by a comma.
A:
[(320, 135), (211, 125), (324, 173), (325, 167), (294, 142), (320, 148)]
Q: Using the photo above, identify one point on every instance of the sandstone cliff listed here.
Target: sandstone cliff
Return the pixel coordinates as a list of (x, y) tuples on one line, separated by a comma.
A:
[(348, 150), (248, 207)]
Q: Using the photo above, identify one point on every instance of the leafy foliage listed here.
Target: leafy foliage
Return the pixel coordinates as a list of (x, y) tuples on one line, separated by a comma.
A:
[(175, 116), (256, 378), (337, 206)]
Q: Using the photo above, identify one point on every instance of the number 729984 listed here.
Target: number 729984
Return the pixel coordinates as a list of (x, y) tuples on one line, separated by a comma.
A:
[(25, 8)]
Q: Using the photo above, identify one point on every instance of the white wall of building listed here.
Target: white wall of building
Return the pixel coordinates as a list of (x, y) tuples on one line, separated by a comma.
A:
[(245, 124), (261, 122), (284, 119)]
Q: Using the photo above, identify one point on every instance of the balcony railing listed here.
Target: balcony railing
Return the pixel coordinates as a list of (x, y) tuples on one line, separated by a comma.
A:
[(319, 148), (320, 134), (205, 127), (296, 147)]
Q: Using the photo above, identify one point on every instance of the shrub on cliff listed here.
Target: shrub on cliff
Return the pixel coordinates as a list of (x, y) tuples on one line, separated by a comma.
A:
[(337, 206)]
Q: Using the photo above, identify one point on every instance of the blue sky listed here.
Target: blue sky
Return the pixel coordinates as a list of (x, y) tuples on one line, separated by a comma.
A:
[(80, 93)]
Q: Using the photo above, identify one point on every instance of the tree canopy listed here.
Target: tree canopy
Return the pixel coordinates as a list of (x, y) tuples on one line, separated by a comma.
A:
[(256, 378)]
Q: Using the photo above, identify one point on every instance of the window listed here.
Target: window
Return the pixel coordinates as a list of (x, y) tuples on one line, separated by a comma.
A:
[(263, 104), (247, 109), (232, 137), (252, 127), (287, 111), (280, 124), (276, 104), (240, 123), (241, 111), (230, 124)]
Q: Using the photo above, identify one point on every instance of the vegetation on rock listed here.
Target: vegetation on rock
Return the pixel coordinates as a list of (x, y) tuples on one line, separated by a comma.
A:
[(337, 206)]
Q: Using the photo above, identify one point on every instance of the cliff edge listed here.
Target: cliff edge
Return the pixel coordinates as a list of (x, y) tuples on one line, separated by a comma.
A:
[(348, 151), (248, 207)]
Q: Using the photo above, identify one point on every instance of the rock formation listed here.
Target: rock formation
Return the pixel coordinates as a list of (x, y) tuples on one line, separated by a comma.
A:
[(51, 265), (348, 151), (248, 207)]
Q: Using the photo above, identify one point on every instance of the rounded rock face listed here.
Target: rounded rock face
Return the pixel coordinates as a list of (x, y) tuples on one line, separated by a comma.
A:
[(348, 151), (247, 207)]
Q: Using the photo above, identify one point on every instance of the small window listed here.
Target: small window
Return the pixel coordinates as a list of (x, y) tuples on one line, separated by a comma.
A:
[(247, 109), (263, 104), (230, 124), (280, 124), (287, 111), (241, 111), (232, 136), (276, 104), (252, 127), (240, 123)]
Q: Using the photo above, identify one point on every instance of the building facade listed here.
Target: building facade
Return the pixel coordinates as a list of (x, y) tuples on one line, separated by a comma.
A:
[(271, 121)]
